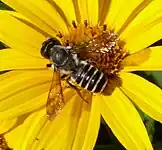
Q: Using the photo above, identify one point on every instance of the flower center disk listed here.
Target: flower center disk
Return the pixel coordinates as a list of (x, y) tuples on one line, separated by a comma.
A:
[(97, 45), (3, 144)]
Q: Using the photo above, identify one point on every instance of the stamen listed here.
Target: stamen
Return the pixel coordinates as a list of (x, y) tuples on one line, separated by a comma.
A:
[(105, 27), (3, 144), (85, 23), (74, 24), (59, 35)]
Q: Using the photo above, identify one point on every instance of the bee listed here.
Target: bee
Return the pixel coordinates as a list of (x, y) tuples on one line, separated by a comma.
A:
[(80, 74)]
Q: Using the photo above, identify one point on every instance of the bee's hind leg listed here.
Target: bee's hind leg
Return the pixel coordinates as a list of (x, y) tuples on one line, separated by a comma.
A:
[(77, 90), (70, 84)]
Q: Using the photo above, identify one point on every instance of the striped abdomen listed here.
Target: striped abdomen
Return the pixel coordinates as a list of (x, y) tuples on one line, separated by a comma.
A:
[(89, 77)]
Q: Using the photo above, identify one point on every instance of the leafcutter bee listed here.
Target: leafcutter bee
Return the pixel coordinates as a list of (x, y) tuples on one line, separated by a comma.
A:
[(80, 74)]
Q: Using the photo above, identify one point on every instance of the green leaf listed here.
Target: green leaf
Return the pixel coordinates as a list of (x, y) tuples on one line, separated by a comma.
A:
[(158, 145), (157, 76), (149, 124)]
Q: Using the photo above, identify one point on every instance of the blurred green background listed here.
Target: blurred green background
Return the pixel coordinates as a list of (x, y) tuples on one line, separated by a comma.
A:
[(106, 140)]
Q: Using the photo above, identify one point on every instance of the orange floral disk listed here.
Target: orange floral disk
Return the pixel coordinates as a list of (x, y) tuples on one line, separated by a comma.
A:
[(97, 45)]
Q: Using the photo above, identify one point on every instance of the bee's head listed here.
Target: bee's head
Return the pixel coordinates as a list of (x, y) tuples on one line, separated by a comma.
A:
[(47, 46)]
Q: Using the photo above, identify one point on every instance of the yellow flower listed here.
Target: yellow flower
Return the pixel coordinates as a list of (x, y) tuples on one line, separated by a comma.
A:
[(24, 90)]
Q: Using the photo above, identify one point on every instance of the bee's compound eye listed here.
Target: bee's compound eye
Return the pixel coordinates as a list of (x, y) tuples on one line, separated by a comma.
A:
[(45, 52), (47, 45), (60, 56)]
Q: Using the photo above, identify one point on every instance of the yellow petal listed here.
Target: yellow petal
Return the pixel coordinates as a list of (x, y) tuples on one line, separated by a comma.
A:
[(77, 127), (121, 12), (92, 127), (35, 123), (136, 8), (7, 125), (42, 13), (115, 6), (13, 142), (145, 12), (19, 35), (16, 81), (72, 123), (72, 128), (104, 7), (89, 11), (144, 29), (83, 7), (87, 124), (147, 59), (66, 10), (6, 75), (17, 96), (137, 58), (25, 132), (25, 107), (124, 121), (57, 144), (144, 37), (144, 94), (12, 59), (93, 15)]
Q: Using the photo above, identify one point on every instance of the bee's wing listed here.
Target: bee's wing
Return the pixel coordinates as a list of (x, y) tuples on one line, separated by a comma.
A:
[(82, 47), (55, 101), (87, 50), (85, 95), (97, 45)]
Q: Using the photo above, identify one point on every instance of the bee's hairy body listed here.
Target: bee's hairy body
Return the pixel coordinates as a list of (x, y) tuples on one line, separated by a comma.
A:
[(79, 72)]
